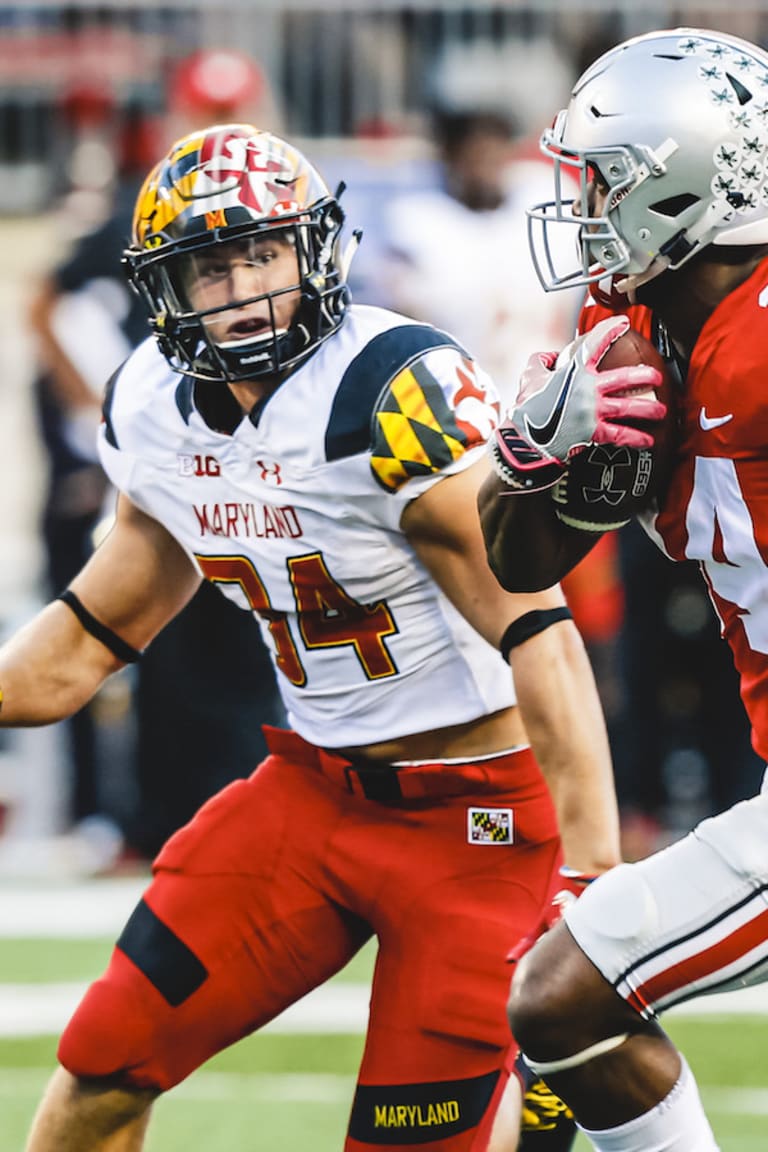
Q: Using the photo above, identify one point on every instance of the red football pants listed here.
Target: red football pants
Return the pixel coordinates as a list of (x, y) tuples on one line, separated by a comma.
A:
[(279, 880)]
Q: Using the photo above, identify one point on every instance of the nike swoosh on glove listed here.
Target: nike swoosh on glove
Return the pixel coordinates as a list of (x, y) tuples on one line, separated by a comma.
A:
[(566, 403)]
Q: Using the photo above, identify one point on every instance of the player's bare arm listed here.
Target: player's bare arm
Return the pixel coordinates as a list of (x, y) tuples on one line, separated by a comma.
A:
[(443, 528), (570, 742), (577, 455), (551, 548), (135, 582)]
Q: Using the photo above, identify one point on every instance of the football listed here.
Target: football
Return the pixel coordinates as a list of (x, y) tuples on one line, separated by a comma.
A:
[(634, 348), (604, 486)]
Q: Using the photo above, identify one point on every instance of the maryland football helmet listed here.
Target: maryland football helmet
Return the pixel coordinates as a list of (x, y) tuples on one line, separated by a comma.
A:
[(673, 127), (233, 182)]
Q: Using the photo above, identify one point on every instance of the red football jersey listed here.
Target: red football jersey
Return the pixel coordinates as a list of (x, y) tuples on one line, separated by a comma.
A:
[(715, 508)]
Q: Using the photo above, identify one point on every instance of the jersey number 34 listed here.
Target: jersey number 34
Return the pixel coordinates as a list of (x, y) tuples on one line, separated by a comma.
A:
[(327, 616)]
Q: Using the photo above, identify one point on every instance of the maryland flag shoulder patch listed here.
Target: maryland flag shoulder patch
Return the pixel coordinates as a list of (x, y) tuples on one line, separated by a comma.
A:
[(424, 422)]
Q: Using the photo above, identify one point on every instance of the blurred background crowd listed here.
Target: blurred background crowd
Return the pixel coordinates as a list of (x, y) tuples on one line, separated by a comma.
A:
[(429, 112)]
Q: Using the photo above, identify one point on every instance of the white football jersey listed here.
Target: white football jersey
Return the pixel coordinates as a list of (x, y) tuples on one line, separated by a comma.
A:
[(296, 517)]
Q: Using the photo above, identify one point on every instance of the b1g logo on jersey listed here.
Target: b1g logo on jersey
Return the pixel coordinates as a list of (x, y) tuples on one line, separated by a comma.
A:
[(198, 465), (489, 825)]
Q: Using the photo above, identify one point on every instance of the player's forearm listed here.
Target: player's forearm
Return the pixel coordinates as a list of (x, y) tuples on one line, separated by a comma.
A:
[(563, 715), (50, 668), (527, 546)]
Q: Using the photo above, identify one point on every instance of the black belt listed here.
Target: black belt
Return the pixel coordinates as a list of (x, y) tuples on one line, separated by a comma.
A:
[(393, 784)]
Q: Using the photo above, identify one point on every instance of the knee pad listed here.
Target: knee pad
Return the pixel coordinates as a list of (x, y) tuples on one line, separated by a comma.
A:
[(615, 919)]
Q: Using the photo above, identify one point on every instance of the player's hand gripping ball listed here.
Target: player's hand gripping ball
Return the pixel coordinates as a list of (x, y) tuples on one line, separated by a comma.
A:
[(605, 485)]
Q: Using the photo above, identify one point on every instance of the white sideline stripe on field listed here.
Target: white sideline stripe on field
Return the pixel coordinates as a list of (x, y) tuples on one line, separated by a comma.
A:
[(44, 1009), (82, 910), (99, 908), (287, 1087)]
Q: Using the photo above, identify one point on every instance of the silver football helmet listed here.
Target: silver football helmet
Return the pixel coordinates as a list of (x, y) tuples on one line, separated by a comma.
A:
[(674, 125)]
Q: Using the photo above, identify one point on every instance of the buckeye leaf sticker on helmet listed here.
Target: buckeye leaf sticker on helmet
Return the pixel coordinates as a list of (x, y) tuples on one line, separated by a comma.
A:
[(672, 127)]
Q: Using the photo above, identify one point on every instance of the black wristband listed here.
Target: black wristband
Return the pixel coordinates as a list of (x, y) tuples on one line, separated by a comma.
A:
[(528, 625), (105, 635)]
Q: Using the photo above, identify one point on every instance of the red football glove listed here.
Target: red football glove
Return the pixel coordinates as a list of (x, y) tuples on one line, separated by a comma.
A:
[(571, 884)]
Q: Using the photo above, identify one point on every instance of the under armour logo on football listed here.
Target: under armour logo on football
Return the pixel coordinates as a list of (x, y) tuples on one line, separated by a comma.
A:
[(610, 472)]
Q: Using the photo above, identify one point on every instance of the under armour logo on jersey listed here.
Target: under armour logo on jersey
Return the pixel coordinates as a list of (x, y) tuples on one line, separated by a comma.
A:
[(198, 465), (489, 825), (269, 472)]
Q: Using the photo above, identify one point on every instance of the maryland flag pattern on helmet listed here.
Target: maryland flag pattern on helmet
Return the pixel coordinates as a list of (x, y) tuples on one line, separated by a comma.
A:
[(225, 176), (226, 183), (422, 425)]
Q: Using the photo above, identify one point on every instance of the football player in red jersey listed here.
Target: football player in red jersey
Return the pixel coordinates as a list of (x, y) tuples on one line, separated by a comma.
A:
[(668, 133), (319, 462)]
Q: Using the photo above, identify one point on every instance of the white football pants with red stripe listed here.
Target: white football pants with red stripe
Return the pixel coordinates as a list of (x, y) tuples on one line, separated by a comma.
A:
[(689, 920)]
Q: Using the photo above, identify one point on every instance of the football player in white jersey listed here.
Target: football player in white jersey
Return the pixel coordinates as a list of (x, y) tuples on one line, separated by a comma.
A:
[(319, 463), (668, 134)]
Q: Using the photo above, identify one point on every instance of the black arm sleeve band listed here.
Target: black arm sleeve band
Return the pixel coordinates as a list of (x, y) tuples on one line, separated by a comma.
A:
[(528, 625), (107, 637)]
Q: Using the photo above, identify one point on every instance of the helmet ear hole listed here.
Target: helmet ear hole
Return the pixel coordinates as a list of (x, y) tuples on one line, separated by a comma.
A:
[(674, 206)]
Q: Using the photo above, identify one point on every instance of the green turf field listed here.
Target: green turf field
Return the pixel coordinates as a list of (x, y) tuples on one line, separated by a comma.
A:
[(291, 1093)]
